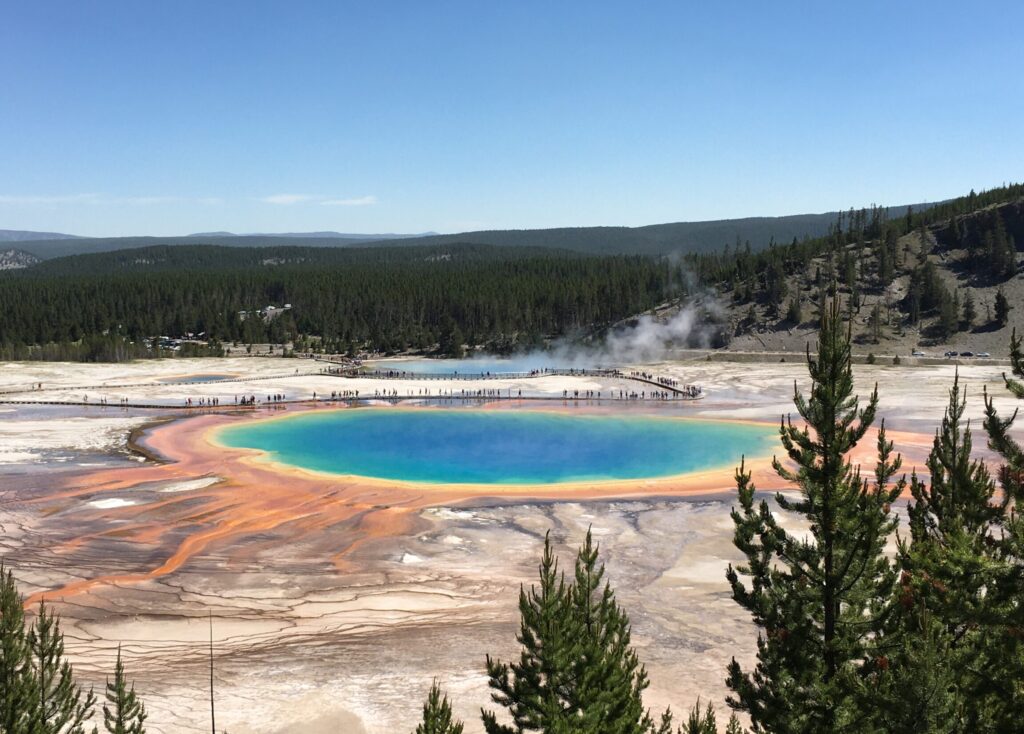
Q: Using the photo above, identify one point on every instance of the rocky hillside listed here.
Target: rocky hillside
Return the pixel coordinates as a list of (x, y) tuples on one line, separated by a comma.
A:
[(16, 259), (953, 284)]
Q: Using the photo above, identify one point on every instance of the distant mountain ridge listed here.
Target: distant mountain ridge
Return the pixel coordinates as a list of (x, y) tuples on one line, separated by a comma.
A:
[(659, 239), (22, 235), (48, 249), (654, 239), (316, 235)]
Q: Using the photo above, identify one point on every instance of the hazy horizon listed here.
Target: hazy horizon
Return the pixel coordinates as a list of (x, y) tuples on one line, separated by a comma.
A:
[(429, 233)]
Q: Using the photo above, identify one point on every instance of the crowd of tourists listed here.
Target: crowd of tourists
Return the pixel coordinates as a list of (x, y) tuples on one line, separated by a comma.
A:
[(205, 402), (631, 394), (675, 390), (122, 402)]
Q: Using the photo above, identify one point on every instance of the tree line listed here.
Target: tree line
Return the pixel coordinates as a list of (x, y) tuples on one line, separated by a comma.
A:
[(379, 300), (440, 298), (851, 637)]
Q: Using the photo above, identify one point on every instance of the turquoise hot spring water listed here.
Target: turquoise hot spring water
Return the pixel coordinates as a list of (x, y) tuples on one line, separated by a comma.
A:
[(468, 446)]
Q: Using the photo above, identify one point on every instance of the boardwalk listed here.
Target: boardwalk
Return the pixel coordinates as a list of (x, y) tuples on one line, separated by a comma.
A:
[(665, 390)]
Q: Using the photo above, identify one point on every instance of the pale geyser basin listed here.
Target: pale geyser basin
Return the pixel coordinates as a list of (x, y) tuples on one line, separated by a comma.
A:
[(465, 446)]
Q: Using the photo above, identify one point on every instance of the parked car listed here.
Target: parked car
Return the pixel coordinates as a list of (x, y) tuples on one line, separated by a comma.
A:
[(951, 354), (966, 354), (985, 355), (918, 353)]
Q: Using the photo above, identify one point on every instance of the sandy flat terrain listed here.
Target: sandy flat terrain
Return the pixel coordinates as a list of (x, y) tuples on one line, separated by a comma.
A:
[(335, 602)]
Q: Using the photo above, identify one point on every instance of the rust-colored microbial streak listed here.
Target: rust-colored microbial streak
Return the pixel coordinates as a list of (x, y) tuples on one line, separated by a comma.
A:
[(256, 497)]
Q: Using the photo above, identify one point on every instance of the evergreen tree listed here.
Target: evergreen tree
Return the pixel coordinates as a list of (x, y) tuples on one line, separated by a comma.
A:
[(1002, 665), (914, 298), (700, 721), (820, 601), (775, 285), (970, 311), (1002, 308), (59, 705), (437, 715), (947, 568), (577, 672), (734, 726), (958, 501), (1003, 256), (916, 687), (949, 316), (124, 713), (886, 258), (16, 685), (794, 314), (875, 322), (452, 341)]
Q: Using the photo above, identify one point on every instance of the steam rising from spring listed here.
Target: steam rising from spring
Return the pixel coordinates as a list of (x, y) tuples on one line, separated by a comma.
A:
[(646, 339)]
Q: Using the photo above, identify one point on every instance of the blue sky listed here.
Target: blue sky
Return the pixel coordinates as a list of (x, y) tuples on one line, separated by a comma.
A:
[(129, 117)]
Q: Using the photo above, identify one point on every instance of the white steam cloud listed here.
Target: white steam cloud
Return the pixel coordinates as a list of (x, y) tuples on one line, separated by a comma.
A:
[(644, 340), (649, 340)]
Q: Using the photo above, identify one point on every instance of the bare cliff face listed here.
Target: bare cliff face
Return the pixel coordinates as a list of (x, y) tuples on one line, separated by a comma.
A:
[(16, 259)]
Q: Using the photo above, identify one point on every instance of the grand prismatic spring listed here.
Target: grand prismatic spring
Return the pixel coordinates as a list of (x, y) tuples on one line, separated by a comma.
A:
[(496, 447)]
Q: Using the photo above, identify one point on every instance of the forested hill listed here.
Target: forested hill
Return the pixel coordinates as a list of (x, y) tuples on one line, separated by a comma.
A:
[(678, 238), (655, 239), (209, 258), (947, 276)]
